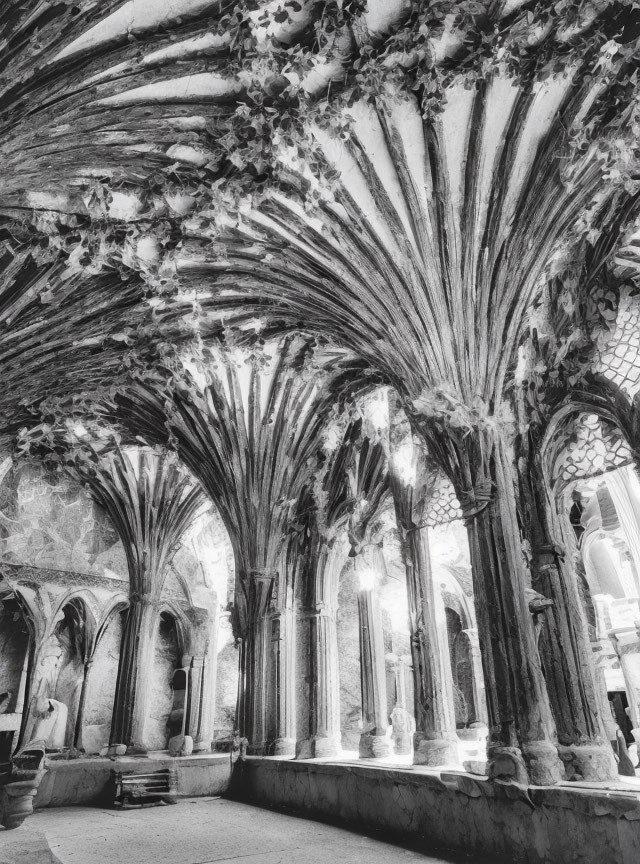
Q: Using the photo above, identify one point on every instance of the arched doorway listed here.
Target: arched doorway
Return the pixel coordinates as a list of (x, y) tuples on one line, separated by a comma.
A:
[(461, 670)]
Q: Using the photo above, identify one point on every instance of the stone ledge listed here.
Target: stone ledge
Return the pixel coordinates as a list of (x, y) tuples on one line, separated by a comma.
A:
[(454, 810), (75, 782)]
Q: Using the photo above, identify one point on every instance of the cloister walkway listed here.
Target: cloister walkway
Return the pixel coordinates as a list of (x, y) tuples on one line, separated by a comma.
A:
[(195, 831)]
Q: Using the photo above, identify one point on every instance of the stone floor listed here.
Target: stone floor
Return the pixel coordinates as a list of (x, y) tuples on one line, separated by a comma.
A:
[(195, 831)]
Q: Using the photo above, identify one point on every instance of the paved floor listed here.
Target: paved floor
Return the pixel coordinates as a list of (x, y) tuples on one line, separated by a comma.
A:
[(195, 831)]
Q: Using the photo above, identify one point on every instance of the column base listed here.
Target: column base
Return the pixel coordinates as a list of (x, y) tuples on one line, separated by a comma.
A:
[(374, 746), (402, 744), (259, 749), (180, 745), (537, 764), (434, 752), (543, 763), (202, 746), (593, 762), (136, 750), (506, 763), (114, 750), (282, 747), (318, 747)]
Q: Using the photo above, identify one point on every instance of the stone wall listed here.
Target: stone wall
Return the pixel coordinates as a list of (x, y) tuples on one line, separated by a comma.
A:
[(48, 521), (88, 781), (454, 811)]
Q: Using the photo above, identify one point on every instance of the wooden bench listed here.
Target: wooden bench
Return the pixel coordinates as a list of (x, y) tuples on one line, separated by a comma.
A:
[(145, 790)]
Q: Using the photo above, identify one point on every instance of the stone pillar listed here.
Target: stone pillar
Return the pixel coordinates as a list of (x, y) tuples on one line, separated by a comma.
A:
[(478, 679), (132, 688), (202, 688), (522, 744), (624, 488), (564, 648), (626, 641), (325, 685), (256, 586), (24, 680), (77, 735), (374, 743), (194, 664), (283, 659), (435, 741), (324, 672), (402, 720), (202, 665)]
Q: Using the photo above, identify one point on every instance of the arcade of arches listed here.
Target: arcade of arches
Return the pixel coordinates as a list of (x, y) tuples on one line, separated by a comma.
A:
[(319, 422)]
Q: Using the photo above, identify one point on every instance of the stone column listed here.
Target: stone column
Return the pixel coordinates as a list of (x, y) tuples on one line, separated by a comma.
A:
[(374, 743), (401, 719), (131, 702), (478, 679), (77, 735), (626, 641), (325, 684), (522, 744), (202, 688), (324, 672), (202, 665), (283, 658), (256, 586), (624, 488), (564, 647), (435, 741)]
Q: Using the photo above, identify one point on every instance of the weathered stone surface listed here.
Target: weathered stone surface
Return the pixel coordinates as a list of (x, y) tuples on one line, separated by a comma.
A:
[(25, 846), (180, 745), (86, 781), (504, 821), (374, 746)]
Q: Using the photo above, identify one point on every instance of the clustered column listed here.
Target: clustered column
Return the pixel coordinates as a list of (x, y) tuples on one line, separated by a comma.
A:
[(256, 588), (522, 744), (563, 643), (201, 663), (132, 689), (282, 621), (324, 686), (435, 741), (374, 742)]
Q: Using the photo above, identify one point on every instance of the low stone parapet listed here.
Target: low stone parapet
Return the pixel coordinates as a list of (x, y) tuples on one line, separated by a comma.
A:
[(75, 782), (454, 810)]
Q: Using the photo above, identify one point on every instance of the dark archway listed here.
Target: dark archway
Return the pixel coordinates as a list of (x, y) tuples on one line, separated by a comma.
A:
[(462, 670)]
